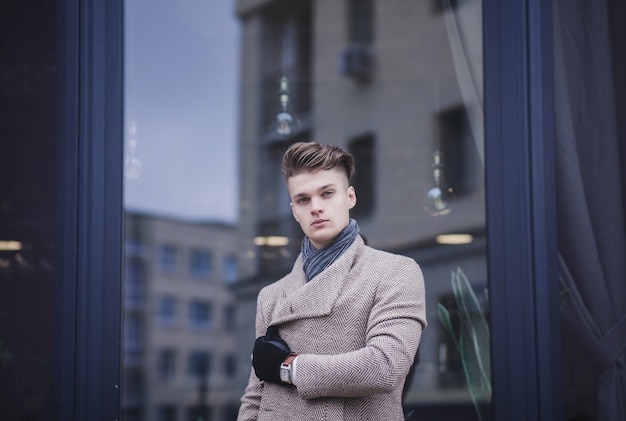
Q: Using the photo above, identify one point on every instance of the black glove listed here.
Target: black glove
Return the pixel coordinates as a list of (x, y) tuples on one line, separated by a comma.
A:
[(268, 354)]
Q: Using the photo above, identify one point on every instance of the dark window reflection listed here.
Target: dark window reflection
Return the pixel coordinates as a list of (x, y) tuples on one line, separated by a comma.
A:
[(169, 254), (27, 189), (166, 364), (363, 181), (200, 263)]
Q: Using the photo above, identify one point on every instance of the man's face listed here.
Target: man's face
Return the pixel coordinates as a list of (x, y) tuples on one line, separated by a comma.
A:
[(320, 202)]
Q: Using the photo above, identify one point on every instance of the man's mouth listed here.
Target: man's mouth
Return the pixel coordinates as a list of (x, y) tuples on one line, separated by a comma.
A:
[(319, 221)]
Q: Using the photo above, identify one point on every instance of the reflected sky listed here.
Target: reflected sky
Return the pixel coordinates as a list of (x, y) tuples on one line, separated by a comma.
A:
[(182, 69)]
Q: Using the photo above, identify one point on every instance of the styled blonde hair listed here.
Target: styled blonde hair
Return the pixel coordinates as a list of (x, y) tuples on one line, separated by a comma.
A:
[(311, 156)]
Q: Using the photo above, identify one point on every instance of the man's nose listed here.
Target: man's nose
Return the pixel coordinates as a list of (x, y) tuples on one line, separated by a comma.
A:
[(316, 205)]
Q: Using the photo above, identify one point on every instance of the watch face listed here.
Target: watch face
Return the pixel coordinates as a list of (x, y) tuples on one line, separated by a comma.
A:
[(284, 375)]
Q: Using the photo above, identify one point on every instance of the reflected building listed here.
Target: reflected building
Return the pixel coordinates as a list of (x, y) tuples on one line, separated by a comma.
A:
[(179, 354), (382, 80)]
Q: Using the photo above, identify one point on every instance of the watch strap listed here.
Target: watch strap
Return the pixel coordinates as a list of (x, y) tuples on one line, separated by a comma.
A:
[(290, 359), (286, 369)]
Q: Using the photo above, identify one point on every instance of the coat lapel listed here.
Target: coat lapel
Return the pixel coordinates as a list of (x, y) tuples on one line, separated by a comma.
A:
[(302, 300)]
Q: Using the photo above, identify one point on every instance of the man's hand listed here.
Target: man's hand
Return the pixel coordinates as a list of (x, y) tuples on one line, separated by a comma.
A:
[(268, 354)]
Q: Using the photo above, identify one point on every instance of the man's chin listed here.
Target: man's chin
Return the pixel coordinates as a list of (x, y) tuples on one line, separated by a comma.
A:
[(321, 241)]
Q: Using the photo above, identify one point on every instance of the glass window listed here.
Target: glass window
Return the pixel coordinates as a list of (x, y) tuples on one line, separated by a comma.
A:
[(200, 263), (211, 112), (167, 310), (230, 269), (28, 186), (166, 363), (168, 256), (230, 366), (200, 314), (134, 331), (199, 412), (166, 413), (362, 148), (135, 282), (230, 411), (134, 386), (230, 313), (589, 44), (356, 59), (199, 364), (360, 21)]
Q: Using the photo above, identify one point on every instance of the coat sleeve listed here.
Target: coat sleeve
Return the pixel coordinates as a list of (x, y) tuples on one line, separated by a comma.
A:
[(395, 324), (251, 399)]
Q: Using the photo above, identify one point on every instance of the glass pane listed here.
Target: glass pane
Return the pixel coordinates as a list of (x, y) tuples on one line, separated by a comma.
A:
[(27, 208), (209, 114), (590, 181)]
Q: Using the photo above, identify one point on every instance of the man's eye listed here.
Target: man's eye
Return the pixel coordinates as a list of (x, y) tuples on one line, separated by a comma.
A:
[(327, 193), (302, 200)]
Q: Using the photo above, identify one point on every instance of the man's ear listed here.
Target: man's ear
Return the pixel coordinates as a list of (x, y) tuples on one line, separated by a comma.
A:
[(351, 197), (293, 212)]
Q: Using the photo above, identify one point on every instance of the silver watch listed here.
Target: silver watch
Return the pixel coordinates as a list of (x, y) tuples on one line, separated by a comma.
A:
[(285, 369)]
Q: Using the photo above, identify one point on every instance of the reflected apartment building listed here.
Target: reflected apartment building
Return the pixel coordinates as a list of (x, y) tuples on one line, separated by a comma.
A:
[(179, 354), (382, 80)]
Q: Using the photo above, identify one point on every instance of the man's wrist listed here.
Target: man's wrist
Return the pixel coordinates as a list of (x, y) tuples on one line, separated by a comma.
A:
[(286, 369)]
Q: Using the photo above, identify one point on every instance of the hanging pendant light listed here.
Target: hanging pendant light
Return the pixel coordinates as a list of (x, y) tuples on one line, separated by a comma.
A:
[(439, 197), (284, 120)]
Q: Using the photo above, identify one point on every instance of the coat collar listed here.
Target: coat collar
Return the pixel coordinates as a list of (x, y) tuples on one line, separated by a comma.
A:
[(299, 299)]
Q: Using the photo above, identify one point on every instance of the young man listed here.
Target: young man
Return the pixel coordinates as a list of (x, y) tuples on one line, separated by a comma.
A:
[(337, 336)]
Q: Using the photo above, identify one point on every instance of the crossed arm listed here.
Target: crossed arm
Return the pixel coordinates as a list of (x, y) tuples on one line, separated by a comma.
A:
[(393, 333)]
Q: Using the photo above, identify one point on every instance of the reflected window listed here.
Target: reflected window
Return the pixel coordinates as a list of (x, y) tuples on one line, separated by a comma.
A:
[(199, 412), (231, 411), (441, 5), (166, 363), (356, 59), (458, 154), (362, 148), (200, 263), (200, 314), (134, 384), (166, 413), (361, 21), (167, 310), (230, 366), (134, 281), (199, 364), (230, 312), (168, 258), (134, 331), (230, 269)]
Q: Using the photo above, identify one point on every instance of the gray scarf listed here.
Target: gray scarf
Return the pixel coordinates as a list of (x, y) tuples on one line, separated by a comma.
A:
[(315, 261)]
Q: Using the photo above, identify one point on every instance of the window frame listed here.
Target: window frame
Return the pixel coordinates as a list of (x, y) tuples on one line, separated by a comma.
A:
[(89, 210), (520, 204)]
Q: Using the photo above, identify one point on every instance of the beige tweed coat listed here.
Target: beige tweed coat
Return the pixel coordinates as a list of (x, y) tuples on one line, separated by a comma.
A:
[(356, 328)]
